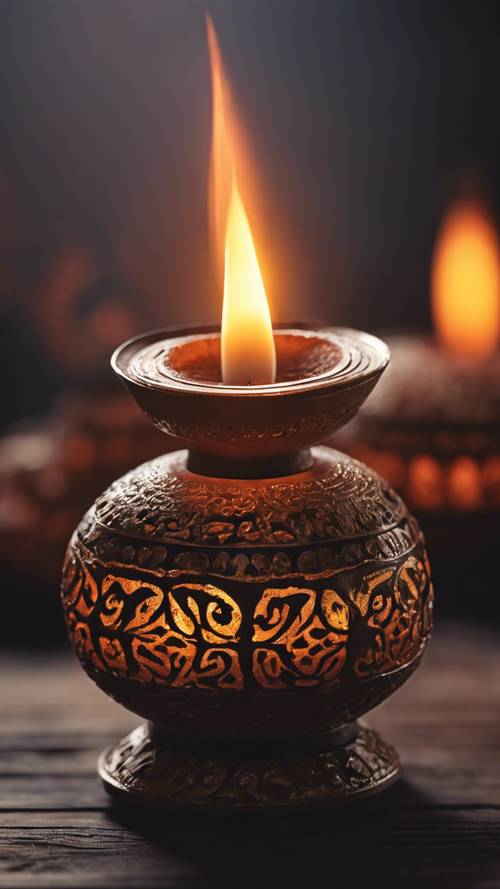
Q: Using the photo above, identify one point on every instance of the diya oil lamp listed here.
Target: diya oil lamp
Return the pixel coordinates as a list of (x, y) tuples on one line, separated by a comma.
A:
[(433, 426), (251, 594)]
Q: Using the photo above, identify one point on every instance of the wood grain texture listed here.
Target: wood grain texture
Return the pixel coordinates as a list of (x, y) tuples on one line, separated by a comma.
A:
[(440, 826)]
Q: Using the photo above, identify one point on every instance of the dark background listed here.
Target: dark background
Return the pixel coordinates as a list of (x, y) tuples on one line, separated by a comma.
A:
[(364, 116)]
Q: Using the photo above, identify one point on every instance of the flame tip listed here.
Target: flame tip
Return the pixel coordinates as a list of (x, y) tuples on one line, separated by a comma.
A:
[(247, 343), (213, 43)]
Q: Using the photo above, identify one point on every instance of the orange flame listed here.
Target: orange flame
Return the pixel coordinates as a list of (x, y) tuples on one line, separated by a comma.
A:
[(465, 282), (247, 345)]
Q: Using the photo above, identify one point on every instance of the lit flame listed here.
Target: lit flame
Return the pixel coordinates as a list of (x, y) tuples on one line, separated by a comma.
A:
[(465, 283), (247, 345)]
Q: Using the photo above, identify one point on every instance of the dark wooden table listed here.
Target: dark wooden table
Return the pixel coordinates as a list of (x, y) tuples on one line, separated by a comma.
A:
[(440, 826)]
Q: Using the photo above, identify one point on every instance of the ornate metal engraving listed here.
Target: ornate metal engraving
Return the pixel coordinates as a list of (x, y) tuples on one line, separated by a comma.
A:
[(188, 634), (139, 766), (304, 638), (236, 610), (320, 427), (184, 637), (161, 501), (300, 635)]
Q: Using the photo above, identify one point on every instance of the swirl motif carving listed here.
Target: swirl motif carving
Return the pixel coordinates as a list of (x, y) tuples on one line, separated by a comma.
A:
[(186, 634), (186, 637), (396, 607), (301, 637), (304, 637), (336, 586)]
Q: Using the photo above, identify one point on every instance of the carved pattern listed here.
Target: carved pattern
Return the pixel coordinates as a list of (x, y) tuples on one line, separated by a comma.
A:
[(300, 635), (189, 634), (336, 586), (292, 562), (160, 501), (157, 774), (321, 425), (186, 637), (304, 636), (390, 603)]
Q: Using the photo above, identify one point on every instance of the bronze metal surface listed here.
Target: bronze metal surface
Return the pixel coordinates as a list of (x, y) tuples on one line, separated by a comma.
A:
[(252, 421), (250, 612), (141, 769)]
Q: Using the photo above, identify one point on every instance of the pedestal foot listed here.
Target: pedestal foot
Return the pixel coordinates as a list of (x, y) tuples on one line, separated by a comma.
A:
[(143, 769)]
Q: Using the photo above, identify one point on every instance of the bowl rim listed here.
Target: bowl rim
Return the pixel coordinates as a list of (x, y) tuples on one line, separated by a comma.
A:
[(373, 350)]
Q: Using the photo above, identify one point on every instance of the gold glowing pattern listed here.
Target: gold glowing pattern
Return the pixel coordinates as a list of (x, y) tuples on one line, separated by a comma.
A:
[(248, 355), (184, 638), (465, 283), (302, 644), (190, 635)]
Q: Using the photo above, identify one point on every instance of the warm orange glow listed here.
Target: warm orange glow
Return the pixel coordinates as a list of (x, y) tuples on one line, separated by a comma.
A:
[(464, 480), (466, 283), (247, 346)]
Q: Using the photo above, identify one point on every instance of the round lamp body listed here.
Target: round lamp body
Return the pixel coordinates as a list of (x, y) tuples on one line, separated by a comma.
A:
[(250, 622)]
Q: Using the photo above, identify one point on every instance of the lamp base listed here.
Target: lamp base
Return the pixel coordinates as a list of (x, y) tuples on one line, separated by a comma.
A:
[(348, 763)]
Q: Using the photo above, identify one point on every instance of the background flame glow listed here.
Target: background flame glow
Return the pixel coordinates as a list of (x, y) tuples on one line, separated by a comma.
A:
[(465, 282)]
